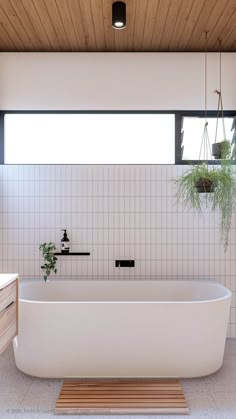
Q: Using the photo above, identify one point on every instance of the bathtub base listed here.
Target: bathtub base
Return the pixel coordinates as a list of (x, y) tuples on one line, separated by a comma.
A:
[(124, 343), (125, 371), (85, 374)]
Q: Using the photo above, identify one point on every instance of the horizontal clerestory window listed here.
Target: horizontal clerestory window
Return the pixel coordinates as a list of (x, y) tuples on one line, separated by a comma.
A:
[(89, 138), (109, 137)]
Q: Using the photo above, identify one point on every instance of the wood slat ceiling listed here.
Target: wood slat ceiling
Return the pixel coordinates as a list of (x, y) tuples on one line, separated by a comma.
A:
[(85, 25)]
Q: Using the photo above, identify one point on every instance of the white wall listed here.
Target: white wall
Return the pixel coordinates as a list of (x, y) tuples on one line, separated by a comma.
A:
[(112, 211), (114, 81)]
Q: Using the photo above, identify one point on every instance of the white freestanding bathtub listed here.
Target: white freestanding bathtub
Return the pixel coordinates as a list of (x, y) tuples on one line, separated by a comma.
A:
[(121, 328)]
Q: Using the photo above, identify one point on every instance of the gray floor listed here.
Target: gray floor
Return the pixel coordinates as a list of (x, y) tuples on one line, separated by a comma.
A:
[(22, 396)]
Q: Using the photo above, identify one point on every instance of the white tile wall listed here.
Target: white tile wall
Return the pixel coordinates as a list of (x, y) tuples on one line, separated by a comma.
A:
[(114, 212)]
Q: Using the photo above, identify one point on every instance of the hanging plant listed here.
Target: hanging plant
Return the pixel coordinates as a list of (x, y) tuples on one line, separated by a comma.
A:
[(210, 186), (218, 185), (221, 150)]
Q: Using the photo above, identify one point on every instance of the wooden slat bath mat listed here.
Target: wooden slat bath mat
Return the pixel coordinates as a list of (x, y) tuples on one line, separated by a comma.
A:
[(121, 397)]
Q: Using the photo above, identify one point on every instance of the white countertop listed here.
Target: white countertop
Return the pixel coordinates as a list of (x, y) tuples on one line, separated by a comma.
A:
[(6, 279)]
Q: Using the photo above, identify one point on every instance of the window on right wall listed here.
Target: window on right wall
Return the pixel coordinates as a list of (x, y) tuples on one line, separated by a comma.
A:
[(189, 132)]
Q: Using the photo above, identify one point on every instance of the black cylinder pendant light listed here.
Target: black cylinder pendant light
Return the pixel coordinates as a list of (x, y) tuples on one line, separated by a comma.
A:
[(118, 15)]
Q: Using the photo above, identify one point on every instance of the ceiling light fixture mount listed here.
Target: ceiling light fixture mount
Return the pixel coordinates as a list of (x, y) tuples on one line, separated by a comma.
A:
[(118, 15)]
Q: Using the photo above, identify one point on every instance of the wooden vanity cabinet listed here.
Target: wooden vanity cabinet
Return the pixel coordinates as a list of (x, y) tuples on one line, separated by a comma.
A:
[(8, 314)]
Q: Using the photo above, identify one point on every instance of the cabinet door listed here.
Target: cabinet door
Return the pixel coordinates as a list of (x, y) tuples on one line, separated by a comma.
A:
[(8, 314)]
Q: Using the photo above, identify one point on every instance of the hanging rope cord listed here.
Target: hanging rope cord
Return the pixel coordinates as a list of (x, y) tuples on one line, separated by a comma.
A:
[(220, 104), (205, 144)]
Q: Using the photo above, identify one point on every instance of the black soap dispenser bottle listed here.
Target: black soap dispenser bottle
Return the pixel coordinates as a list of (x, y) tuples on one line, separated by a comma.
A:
[(65, 247)]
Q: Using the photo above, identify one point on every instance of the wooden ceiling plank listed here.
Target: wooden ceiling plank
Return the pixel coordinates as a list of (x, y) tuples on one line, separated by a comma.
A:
[(161, 16), (56, 21), (6, 23), (190, 24), (45, 19), (77, 21), (181, 20), (107, 25), (224, 26), (37, 24), (6, 43), (227, 45), (98, 25), (209, 11), (198, 43), (67, 23), (233, 46), (131, 6), (88, 24), (139, 24), (27, 24), (149, 26), (170, 24), (119, 40), (16, 23), (55, 14), (229, 39)]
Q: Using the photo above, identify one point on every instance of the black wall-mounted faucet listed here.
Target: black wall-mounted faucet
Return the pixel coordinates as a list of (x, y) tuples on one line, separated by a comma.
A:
[(129, 263)]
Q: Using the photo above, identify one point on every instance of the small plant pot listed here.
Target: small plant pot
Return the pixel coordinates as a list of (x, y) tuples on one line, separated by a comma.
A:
[(205, 186), (221, 150), (217, 150)]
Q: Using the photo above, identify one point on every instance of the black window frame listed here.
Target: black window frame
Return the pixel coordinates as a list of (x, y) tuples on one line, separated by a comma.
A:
[(178, 133), (179, 115)]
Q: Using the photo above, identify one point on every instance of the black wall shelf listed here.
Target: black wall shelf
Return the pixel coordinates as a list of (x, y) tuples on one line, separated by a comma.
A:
[(72, 254)]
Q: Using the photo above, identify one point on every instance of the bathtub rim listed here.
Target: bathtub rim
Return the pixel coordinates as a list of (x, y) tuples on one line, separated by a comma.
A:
[(228, 292)]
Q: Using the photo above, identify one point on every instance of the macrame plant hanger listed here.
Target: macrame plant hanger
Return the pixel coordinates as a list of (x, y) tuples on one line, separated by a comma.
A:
[(205, 149), (216, 151)]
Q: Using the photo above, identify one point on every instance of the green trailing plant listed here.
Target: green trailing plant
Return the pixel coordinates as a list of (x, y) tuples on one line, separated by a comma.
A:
[(221, 192), (50, 260)]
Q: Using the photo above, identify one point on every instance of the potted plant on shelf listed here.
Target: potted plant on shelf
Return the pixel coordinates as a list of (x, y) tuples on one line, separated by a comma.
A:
[(50, 260), (218, 185)]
